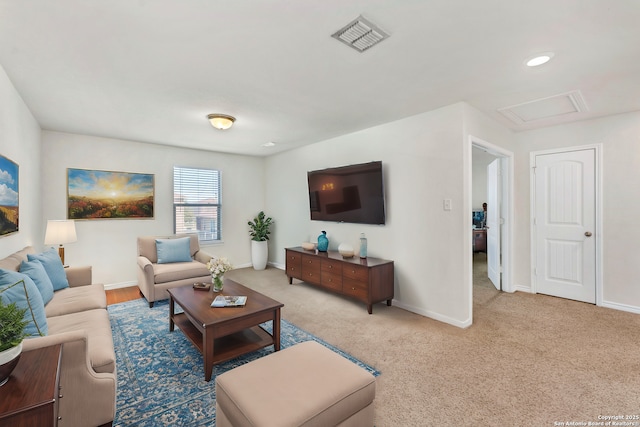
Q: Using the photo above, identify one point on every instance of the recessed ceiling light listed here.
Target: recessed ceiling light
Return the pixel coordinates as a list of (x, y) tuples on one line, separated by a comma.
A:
[(539, 59), (269, 144)]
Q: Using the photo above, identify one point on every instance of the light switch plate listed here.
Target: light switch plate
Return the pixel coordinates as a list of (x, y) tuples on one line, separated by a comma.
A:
[(447, 204)]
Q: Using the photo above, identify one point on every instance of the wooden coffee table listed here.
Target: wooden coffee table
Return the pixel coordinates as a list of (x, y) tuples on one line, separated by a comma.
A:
[(224, 333)]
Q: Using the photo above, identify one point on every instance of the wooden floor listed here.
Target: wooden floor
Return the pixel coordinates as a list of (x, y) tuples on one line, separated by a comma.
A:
[(116, 296)]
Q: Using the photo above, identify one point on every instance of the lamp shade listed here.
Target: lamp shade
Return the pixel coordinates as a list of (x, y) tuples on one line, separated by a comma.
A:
[(60, 231)]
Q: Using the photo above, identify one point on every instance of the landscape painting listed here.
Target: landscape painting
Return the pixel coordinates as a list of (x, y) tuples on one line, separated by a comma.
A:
[(9, 217), (95, 194)]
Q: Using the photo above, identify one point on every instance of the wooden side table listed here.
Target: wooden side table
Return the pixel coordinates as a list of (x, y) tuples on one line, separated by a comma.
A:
[(30, 397)]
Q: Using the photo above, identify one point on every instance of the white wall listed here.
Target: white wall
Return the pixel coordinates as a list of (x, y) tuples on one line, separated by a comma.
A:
[(620, 139), (20, 142), (110, 245), (479, 181), (423, 164), (480, 128)]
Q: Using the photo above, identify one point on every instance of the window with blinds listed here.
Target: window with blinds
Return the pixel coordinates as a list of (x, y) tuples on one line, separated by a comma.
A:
[(196, 202)]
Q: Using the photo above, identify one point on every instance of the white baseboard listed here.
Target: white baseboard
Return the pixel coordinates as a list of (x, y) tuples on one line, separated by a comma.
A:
[(112, 286), (607, 304), (270, 264), (621, 307), (243, 265), (521, 288), (433, 315)]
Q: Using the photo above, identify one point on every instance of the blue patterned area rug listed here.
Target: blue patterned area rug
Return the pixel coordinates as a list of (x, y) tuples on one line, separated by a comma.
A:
[(160, 373)]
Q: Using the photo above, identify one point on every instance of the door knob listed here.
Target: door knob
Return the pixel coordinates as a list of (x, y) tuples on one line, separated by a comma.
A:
[(588, 233)]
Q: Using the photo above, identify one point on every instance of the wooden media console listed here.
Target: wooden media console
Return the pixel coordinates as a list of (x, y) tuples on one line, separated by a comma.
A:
[(369, 280)]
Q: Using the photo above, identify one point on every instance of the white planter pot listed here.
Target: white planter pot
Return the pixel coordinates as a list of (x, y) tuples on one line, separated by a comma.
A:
[(8, 361), (259, 254)]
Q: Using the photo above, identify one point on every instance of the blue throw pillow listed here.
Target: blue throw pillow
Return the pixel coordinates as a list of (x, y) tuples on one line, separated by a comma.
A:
[(53, 266), (173, 250), (19, 288), (38, 274)]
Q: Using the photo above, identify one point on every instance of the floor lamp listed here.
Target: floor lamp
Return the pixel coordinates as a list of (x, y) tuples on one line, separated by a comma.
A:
[(59, 232)]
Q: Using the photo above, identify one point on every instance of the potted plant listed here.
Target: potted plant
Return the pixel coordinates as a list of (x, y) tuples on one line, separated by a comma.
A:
[(12, 333), (259, 232)]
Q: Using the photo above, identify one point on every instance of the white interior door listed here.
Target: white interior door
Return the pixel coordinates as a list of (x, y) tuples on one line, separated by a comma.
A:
[(493, 222), (564, 224)]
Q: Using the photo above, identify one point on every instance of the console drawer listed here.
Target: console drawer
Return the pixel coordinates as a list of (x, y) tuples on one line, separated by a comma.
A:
[(331, 274), (331, 280), (294, 264), (355, 288), (331, 266), (356, 272), (311, 268)]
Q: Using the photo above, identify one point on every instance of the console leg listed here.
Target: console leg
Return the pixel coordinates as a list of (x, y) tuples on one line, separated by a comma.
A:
[(370, 308), (389, 303)]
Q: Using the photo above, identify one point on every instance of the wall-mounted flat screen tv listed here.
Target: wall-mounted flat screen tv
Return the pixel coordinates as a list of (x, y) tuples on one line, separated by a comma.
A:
[(353, 193)]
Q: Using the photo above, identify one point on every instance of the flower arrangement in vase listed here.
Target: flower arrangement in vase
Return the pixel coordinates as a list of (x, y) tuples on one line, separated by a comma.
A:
[(217, 267)]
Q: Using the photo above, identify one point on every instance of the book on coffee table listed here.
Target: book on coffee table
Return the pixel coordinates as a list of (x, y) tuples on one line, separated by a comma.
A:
[(229, 301)]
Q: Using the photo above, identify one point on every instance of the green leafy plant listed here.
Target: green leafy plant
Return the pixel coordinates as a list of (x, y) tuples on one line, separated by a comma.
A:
[(12, 325), (259, 227)]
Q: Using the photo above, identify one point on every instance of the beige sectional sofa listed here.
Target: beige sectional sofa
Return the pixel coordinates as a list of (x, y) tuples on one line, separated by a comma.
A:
[(77, 318), (154, 278)]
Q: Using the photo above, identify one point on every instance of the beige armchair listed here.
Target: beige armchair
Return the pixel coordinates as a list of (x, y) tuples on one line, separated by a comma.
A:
[(154, 279)]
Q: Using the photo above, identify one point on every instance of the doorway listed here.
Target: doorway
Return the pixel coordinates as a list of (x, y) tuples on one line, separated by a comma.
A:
[(485, 204), (497, 182)]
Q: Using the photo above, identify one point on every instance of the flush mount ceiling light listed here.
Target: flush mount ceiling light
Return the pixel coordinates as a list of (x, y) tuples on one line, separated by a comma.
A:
[(539, 59), (221, 121)]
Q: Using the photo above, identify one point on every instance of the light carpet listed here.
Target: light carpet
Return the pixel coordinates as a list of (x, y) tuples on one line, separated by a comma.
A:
[(160, 373), (527, 360)]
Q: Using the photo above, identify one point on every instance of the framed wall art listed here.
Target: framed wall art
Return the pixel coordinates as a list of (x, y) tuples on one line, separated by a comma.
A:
[(9, 201), (96, 194)]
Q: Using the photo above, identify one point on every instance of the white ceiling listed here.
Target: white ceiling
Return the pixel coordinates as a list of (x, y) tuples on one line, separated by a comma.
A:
[(151, 70)]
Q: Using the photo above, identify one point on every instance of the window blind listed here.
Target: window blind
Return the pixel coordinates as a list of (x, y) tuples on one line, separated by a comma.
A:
[(196, 202)]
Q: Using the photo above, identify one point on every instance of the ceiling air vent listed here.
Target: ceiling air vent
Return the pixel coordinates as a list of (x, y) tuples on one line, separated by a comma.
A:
[(360, 34)]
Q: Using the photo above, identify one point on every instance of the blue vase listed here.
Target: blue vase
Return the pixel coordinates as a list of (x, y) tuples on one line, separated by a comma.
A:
[(323, 242)]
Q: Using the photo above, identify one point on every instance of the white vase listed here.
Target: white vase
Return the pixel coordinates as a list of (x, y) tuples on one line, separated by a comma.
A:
[(8, 361), (259, 254), (346, 250)]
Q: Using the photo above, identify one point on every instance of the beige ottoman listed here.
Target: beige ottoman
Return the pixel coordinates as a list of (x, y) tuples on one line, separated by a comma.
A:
[(303, 385)]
